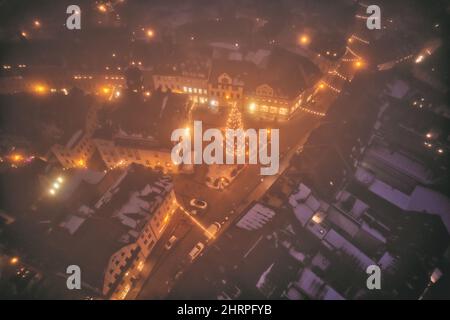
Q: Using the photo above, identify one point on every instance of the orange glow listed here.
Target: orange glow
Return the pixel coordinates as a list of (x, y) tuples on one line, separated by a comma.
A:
[(81, 163), (321, 86), (14, 260), (105, 90), (304, 39), (358, 64), (40, 89), (37, 23), (101, 8), (16, 157), (150, 33), (24, 34)]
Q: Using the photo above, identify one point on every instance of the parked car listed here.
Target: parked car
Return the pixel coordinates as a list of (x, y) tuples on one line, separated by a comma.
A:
[(195, 252), (212, 230), (172, 240), (200, 204)]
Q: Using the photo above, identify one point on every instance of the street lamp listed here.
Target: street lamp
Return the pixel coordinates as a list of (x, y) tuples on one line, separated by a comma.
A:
[(304, 39), (150, 33), (40, 89), (101, 8), (358, 64)]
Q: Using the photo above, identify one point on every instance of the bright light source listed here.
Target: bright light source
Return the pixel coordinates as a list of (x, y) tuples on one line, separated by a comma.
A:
[(358, 64), (304, 39), (106, 90), (318, 217), (60, 179), (117, 94), (321, 86), (419, 59), (150, 33), (24, 34), (40, 89), (14, 260), (52, 192), (56, 185), (252, 106), (440, 150), (101, 8), (187, 131), (37, 23), (17, 157), (429, 135), (81, 163)]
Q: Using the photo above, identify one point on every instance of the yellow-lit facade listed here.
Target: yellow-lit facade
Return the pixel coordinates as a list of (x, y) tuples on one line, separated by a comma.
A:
[(117, 156), (126, 265), (195, 87)]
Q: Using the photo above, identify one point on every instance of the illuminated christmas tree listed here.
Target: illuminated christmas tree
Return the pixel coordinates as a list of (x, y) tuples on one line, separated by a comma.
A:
[(234, 122)]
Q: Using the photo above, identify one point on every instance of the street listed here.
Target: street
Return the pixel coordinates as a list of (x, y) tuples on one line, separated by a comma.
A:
[(223, 207)]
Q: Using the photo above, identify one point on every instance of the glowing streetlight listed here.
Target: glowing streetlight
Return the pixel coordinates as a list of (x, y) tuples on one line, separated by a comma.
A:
[(101, 8), (40, 89), (252, 106), (358, 64), (150, 33), (14, 260), (17, 157), (105, 90), (37, 23), (52, 192), (321, 86), (304, 39)]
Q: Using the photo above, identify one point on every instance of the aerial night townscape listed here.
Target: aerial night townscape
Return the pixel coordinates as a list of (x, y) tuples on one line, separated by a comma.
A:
[(224, 150)]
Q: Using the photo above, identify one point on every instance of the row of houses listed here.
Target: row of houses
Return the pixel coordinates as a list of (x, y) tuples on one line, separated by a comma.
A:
[(268, 84), (113, 223)]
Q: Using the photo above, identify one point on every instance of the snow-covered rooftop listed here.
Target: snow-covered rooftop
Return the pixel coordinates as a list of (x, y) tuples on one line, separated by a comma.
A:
[(339, 242), (315, 288), (256, 217)]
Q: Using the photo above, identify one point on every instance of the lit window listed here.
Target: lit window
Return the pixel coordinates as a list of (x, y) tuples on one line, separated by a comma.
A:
[(283, 111)]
